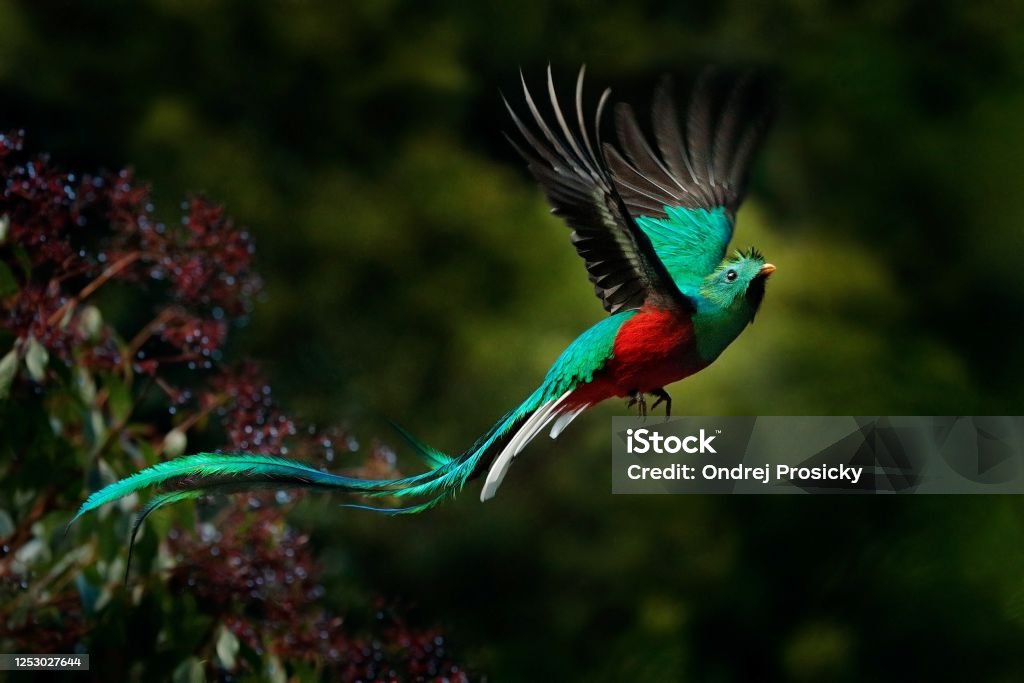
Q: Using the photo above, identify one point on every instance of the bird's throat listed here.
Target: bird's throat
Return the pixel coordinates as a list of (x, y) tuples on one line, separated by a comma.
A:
[(715, 329)]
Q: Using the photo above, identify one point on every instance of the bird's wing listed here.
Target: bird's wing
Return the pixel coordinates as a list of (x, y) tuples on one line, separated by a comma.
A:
[(619, 257), (684, 196)]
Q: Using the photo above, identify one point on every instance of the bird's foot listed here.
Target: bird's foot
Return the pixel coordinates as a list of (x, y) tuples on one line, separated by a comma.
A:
[(662, 396), (640, 401)]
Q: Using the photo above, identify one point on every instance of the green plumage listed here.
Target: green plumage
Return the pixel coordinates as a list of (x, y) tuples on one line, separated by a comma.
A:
[(215, 468), (213, 473), (586, 355), (690, 242)]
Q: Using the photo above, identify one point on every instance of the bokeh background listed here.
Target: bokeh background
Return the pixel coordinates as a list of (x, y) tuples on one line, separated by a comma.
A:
[(412, 271)]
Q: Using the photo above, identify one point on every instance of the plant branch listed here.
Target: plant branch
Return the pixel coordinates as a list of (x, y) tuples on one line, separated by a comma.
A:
[(87, 291)]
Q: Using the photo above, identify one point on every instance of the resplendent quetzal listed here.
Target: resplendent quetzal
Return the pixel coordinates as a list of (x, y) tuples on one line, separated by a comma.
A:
[(652, 228)]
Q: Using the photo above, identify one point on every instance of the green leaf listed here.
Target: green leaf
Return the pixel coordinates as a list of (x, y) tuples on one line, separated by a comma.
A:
[(88, 591), (275, 670), (119, 399), (90, 322), (96, 427), (32, 552), (227, 648), (8, 371), (99, 475), (86, 385), (36, 358), (6, 524), (189, 671), (8, 285), (175, 442)]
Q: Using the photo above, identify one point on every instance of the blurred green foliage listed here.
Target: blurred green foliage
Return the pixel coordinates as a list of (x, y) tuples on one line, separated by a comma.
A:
[(411, 269)]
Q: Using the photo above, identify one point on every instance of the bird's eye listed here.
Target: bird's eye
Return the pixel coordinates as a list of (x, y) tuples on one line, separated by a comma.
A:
[(731, 275)]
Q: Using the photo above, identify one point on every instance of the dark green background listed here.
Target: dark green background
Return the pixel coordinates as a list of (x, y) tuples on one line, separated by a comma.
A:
[(412, 270)]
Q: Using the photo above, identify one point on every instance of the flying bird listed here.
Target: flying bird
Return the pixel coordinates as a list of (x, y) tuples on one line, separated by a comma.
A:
[(652, 225)]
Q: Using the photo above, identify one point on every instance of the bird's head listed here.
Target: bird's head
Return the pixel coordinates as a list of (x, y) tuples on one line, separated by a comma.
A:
[(738, 282)]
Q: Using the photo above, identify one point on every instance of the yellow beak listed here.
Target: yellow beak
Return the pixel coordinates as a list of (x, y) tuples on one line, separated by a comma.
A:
[(766, 270)]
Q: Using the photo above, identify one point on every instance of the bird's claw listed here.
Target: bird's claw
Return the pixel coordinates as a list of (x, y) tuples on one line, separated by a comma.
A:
[(640, 401), (662, 396)]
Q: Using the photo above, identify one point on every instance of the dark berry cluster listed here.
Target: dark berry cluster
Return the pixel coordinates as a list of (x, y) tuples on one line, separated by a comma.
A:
[(63, 237), (251, 420), (259, 578)]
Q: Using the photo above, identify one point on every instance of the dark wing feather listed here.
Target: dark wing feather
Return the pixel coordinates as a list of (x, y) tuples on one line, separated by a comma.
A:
[(619, 258), (706, 169)]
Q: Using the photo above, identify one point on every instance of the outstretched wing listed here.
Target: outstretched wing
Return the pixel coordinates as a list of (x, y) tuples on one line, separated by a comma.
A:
[(685, 195), (619, 257)]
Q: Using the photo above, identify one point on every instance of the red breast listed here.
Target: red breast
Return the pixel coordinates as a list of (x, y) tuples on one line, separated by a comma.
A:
[(652, 349)]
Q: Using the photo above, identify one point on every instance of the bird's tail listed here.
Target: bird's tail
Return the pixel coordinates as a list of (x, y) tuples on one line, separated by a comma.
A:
[(207, 473)]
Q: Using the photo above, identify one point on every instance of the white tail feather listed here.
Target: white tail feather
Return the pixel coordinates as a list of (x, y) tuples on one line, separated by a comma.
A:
[(533, 426), (565, 418)]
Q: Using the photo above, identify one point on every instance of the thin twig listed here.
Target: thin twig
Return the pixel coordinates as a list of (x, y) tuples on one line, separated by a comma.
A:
[(145, 333), (195, 417), (111, 270), (148, 329)]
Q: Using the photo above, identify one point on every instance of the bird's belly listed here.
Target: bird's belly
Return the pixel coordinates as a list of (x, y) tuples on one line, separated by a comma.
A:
[(653, 349)]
